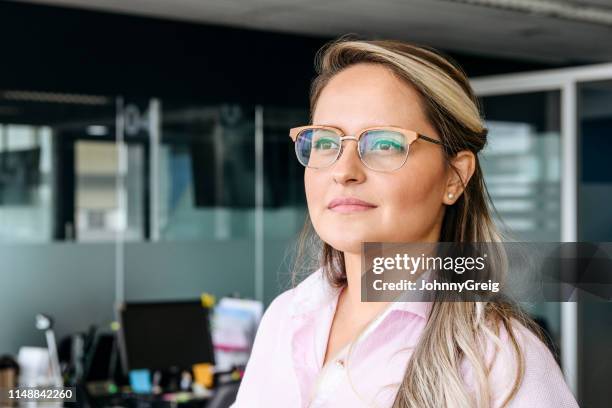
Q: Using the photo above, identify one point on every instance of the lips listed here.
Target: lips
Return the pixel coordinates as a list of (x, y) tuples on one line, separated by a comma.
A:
[(349, 204)]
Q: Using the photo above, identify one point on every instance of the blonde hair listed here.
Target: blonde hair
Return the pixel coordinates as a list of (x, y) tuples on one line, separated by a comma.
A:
[(455, 331)]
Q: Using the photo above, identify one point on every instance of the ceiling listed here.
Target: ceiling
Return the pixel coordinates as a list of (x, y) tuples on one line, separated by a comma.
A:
[(552, 31)]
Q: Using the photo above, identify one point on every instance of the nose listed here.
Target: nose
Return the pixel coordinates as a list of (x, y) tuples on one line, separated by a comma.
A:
[(348, 168)]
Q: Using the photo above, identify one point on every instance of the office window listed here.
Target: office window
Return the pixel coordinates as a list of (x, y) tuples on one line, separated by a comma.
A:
[(26, 178), (207, 170), (521, 163)]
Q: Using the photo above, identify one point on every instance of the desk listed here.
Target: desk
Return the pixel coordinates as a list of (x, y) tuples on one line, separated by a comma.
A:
[(144, 401), (222, 397)]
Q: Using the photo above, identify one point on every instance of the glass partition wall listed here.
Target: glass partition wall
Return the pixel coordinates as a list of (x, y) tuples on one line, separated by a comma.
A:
[(223, 198), (58, 214), (594, 125)]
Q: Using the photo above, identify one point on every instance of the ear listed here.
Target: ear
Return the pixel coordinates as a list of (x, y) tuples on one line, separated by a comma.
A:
[(465, 164)]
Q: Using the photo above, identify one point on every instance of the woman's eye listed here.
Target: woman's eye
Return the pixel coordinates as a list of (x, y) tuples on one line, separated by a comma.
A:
[(387, 145), (325, 144)]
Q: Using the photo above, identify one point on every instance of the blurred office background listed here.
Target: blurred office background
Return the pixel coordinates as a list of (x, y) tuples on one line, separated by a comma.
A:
[(144, 150)]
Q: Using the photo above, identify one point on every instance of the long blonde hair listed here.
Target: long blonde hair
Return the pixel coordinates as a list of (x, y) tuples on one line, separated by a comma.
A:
[(455, 331)]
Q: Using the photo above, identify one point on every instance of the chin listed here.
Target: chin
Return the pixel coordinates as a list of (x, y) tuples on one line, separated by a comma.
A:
[(348, 247), (348, 242), (346, 234)]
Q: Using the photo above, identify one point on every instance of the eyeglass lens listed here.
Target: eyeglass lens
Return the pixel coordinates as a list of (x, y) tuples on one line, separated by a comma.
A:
[(379, 149)]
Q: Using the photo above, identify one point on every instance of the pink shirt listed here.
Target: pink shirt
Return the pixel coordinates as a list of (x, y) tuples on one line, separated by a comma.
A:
[(286, 369)]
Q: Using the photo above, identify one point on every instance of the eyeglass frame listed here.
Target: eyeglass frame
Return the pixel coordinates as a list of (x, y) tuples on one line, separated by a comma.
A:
[(411, 137)]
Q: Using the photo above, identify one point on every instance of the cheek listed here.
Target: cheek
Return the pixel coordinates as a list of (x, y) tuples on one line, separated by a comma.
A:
[(412, 198), (422, 180), (408, 193), (314, 188)]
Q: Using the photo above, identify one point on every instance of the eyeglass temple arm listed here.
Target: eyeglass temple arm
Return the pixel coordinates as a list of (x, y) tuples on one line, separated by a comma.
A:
[(429, 139)]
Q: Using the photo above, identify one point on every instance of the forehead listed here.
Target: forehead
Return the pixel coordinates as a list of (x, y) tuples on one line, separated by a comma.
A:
[(368, 95)]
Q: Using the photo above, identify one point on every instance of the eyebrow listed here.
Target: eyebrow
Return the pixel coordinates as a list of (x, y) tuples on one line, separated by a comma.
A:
[(361, 128)]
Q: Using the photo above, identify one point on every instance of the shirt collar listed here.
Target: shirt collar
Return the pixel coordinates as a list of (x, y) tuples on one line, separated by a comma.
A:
[(315, 292), (312, 294)]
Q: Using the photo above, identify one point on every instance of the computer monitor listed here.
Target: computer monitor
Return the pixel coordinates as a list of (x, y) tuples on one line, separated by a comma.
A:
[(99, 365), (164, 335)]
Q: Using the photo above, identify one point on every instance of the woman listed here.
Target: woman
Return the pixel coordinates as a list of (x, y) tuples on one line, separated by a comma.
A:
[(318, 344)]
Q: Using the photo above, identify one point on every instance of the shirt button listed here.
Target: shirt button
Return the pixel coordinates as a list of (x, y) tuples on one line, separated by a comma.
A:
[(340, 363)]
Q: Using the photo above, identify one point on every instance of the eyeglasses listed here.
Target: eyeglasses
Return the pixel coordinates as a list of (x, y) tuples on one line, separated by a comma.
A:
[(380, 148)]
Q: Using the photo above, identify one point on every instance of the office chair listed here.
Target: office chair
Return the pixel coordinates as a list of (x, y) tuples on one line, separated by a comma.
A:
[(224, 396)]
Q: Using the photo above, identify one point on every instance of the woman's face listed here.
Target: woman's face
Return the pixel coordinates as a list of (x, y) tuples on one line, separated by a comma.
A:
[(408, 203)]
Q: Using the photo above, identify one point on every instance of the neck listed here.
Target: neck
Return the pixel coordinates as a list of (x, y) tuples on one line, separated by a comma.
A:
[(352, 294)]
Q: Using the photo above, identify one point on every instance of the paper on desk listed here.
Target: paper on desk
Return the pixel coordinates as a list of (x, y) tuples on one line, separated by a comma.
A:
[(235, 323), (34, 366)]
